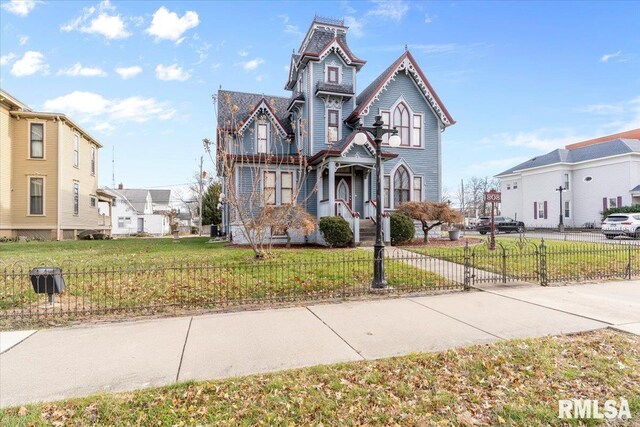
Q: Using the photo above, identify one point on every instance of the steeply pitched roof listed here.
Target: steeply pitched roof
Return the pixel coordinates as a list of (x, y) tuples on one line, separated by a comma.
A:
[(137, 197), (635, 189), (580, 154), (630, 134), (406, 61), (160, 197), (246, 104)]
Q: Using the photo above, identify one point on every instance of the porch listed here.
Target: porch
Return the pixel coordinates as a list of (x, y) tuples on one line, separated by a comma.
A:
[(346, 187)]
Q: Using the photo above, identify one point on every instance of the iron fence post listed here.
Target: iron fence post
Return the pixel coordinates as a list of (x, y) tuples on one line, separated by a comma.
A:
[(504, 264), (629, 263), (467, 267), (543, 264)]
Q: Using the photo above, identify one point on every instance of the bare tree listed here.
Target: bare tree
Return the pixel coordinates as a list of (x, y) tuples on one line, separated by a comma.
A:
[(250, 176)]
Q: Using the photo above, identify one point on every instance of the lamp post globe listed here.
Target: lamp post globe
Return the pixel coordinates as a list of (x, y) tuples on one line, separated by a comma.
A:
[(360, 138), (394, 141)]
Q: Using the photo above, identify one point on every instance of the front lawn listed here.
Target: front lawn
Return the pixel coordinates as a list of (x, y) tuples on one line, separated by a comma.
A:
[(142, 276), (508, 383), (566, 261)]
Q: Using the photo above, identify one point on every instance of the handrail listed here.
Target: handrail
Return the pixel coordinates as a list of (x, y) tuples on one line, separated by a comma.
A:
[(385, 214), (353, 214)]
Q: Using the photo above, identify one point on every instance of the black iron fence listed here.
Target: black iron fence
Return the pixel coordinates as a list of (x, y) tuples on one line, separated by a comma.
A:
[(157, 286), (172, 286)]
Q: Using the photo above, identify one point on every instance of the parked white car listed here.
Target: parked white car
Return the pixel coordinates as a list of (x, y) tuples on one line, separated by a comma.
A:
[(622, 224)]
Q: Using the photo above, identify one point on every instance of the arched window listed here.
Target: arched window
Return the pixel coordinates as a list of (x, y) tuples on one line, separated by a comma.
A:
[(400, 186), (401, 121)]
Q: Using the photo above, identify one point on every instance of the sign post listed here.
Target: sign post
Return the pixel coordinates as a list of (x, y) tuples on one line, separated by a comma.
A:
[(493, 197)]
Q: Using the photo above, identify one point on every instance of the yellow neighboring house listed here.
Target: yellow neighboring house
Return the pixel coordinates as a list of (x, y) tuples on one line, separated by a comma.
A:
[(48, 176)]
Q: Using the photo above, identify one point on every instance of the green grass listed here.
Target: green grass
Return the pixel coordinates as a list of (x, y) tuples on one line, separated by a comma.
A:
[(566, 261), (156, 275), (509, 383)]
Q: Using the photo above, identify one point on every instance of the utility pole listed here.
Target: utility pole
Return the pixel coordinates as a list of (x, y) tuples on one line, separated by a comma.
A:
[(200, 195), (113, 166)]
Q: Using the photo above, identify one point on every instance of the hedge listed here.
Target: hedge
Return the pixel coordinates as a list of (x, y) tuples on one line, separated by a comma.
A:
[(402, 229), (336, 231)]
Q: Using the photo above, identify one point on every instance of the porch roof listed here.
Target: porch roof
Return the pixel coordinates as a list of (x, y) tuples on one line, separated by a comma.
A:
[(341, 147)]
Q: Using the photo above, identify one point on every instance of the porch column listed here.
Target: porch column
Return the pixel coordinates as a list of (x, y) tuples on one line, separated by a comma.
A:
[(319, 187), (332, 187)]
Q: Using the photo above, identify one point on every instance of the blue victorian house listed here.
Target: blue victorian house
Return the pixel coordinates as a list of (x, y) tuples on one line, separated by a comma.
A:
[(300, 149)]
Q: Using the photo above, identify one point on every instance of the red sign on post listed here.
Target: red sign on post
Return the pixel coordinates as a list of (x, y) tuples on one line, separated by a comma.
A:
[(492, 197)]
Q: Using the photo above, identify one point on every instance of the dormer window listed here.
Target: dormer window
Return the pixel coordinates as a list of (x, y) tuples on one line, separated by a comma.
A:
[(333, 75)]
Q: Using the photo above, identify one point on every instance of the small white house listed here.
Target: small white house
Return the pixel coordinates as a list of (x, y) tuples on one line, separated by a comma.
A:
[(595, 175), (140, 211)]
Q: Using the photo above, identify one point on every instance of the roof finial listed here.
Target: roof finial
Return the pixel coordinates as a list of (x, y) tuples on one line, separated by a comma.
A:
[(406, 48)]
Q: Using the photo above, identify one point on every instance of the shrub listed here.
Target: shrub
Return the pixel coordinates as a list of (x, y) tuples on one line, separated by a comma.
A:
[(622, 209), (336, 231), (402, 229)]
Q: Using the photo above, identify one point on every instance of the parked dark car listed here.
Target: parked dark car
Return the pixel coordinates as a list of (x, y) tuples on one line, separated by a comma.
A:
[(503, 224)]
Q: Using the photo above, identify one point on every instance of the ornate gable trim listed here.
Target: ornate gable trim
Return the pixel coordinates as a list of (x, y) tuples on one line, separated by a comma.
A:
[(407, 64), (263, 107), (371, 149)]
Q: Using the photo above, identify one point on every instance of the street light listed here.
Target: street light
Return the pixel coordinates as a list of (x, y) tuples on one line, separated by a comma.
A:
[(561, 223), (377, 131)]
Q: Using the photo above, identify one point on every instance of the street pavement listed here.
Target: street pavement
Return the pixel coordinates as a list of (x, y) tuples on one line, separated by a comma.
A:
[(53, 364)]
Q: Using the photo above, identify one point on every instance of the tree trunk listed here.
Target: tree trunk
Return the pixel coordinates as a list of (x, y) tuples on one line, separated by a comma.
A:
[(426, 228)]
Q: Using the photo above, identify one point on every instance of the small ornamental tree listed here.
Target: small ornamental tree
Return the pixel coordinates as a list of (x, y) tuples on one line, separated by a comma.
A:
[(283, 219), (430, 214)]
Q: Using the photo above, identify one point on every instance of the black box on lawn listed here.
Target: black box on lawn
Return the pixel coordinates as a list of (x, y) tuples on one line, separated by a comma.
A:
[(47, 280)]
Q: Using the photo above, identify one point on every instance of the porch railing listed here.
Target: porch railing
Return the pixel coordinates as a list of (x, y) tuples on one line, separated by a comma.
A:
[(323, 209), (370, 208), (353, 218)]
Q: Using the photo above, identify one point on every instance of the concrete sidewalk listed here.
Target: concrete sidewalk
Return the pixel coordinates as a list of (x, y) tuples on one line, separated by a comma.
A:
[(78, 361)]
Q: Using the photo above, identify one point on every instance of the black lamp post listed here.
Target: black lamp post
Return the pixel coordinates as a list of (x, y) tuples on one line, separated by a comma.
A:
[(377, 131), (561, 223)]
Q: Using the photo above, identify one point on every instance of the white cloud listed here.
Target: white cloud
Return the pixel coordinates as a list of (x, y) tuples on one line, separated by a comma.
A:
[(128, 72), (111, 27), (260, 78), (19, 7), (166, 25), (202, 52), (171, 72), (216, 66), (102, 113), (621, 116), (491, 166), (252, 65), (355, 26), (78, 70), (603, 109), (243, 53), (606, 57), (293, 29), (539, 140), (284, 17), (428, 19), (7, 59), (23, 40), (31, 63), (392, 9)]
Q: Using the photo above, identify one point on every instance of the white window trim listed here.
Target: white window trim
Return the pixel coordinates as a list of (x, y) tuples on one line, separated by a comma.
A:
[(541, 210), (421, 115), (44, 139), (92, 197), (268, 143), (326, 123), (73, 196), (421, 189), (275, 187), (44, 194), (385, 137), (392, 174), (564, 210), (93, 152), (278, 185), (77, 166), (326, 72), (567, 182), (411, 114)]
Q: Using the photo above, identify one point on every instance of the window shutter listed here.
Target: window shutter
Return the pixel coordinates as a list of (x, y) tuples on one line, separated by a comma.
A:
[(535, 210), (545, 210), (619, 204), (604, 204)]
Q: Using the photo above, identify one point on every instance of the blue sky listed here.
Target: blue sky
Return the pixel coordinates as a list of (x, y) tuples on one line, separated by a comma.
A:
[(520, 78)]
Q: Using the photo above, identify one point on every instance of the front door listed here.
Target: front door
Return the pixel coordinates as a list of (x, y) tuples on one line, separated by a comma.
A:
[(140, 225), (343, 189)]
